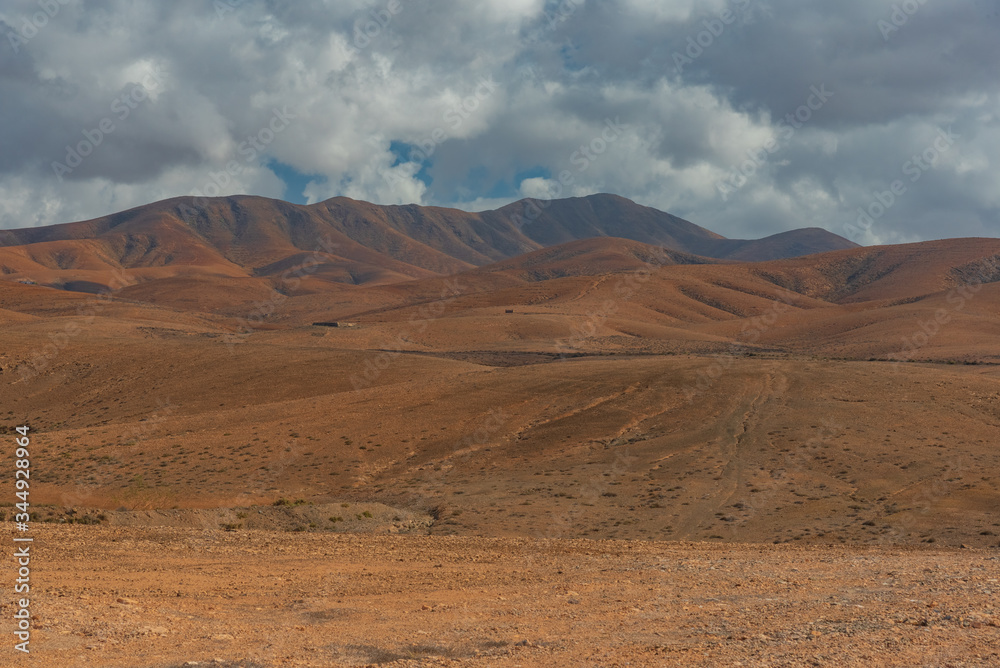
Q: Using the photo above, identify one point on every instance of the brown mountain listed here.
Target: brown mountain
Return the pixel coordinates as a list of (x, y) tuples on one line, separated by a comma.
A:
[(590, 257), (558, 221), (350, 241)]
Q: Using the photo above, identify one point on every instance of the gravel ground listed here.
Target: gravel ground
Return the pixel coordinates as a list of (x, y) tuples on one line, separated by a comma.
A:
[(169, 597)]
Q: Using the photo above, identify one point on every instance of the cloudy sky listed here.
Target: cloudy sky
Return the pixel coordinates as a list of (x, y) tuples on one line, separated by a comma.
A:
[(748, 117)]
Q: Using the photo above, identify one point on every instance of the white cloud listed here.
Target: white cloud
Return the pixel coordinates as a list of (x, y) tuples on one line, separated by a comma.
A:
[(672, 10), (559, 78)]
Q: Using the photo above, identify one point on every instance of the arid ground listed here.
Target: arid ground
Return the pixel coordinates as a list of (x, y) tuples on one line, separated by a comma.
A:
[(507, 452), (183, 597)]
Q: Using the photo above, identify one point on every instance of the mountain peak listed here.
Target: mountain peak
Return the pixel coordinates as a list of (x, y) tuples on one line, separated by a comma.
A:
[(358, 241)]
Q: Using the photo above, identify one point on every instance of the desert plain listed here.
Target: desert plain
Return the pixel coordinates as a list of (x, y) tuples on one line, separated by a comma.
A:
[(510, 450)]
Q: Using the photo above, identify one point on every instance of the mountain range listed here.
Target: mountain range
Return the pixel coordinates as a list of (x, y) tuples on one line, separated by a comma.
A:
[(797, 387), (354, 242)]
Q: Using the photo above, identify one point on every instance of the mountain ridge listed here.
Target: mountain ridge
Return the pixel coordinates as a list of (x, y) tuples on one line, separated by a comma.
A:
[(246, 234)]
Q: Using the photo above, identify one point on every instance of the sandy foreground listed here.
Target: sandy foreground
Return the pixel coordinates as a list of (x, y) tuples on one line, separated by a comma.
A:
[(164, 597)]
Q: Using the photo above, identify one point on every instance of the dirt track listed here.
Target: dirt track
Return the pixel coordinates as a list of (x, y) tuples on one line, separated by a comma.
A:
[(116, 596)]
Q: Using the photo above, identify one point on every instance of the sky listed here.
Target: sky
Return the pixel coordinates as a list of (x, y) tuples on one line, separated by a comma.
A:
[(877, 120)]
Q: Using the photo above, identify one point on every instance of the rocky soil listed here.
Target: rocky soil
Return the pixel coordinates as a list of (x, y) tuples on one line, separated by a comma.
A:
[(170, 597)]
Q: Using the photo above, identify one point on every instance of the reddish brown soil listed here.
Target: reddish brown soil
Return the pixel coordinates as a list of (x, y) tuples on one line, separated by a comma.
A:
[(163, 598), (654, 459)]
